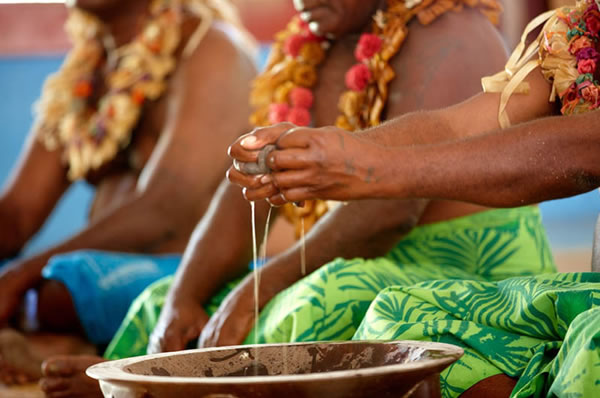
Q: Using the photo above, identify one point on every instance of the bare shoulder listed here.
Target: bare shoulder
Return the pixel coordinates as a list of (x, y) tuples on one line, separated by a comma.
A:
[(220, 54), (442, 63)]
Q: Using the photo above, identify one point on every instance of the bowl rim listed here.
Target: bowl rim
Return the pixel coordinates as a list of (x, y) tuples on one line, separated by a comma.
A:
[(113, 371)]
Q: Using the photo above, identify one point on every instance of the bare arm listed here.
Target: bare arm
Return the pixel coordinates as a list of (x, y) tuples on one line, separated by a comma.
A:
[(541, 160), (33, 189), (187, 164)]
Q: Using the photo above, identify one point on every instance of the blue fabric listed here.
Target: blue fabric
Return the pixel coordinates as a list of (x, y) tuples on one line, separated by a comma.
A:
[(104, 284)]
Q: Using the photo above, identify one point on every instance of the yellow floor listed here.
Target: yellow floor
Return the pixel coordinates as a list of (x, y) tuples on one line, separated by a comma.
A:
[(29, 391)]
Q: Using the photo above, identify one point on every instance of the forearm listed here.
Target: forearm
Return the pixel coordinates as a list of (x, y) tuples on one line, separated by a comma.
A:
[(12, 236), (221, 245), (139, 225), (417, 128), (365, 229), (529, 163)]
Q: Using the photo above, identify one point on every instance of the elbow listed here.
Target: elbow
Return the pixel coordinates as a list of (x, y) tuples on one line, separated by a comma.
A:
[(586, 180)]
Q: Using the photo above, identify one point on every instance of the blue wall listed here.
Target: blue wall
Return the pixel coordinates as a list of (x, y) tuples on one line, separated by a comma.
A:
[(570, 222), (20, 83)]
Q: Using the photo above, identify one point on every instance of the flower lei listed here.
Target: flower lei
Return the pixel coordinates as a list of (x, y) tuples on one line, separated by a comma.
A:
[(283, 92), (582, 37), (568, 59), (91, 129)]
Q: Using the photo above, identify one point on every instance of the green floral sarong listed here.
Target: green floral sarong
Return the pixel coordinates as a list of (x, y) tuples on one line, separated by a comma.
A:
[(330, 303), (543, 330)]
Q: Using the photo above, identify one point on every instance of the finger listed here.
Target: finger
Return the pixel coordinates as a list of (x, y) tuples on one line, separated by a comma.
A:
[(246, 147), (238, 152), (300, 194), (52, 384), (298, 137), (265, 136), (277, 200), (172, 340), (261, 193), (294, 158), (293, 179), (244, 180)]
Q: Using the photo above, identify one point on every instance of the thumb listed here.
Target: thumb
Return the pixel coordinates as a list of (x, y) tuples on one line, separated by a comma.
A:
[(262, 137)]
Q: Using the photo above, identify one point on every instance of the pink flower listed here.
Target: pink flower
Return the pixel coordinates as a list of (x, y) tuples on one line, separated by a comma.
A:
[(301, 97), (278, 113), (591, 94), (299, 117), (368, 45), (293, 44), (586, 66), (358, 77)]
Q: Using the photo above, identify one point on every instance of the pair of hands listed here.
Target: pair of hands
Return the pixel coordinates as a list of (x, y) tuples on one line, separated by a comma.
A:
[(184, 320), (309, 163)]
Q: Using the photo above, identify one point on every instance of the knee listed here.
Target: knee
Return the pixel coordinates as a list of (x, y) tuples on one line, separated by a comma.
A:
[(55, 308)]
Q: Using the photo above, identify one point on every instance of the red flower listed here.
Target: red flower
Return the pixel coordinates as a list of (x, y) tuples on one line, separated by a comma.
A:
[(586, 66), (592, 22), (299, 117), (301, 97), (368, 45), (571, 94), (358, 77), (82, 89), (278, 113), (293, 44)]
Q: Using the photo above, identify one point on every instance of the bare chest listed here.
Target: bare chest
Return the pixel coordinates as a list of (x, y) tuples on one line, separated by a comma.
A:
[(331, 82)]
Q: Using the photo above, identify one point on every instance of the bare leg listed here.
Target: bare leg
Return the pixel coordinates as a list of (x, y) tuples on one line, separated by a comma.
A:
[(21, 355), (55, 310), (65, 377)]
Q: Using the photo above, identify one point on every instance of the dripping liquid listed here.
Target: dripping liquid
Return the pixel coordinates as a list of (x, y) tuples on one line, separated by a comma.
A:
[(257, 261), (302, 249)]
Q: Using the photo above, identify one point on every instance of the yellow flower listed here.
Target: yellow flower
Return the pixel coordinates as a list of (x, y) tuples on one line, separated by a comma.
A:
[(305, 75), (282, 92), (343, 123), (312, 53), (351, 103)]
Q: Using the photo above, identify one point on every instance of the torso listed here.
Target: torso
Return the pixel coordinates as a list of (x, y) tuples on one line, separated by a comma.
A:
[(403, 95), (116, 181)]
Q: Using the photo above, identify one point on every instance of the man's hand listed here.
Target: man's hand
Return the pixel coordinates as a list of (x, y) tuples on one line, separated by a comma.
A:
[(324, 163), (178, 324), (233, 320)]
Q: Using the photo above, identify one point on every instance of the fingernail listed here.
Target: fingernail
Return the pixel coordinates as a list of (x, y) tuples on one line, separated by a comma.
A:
[(314, 27), (305, 16), (266, 179), (248, 141)]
